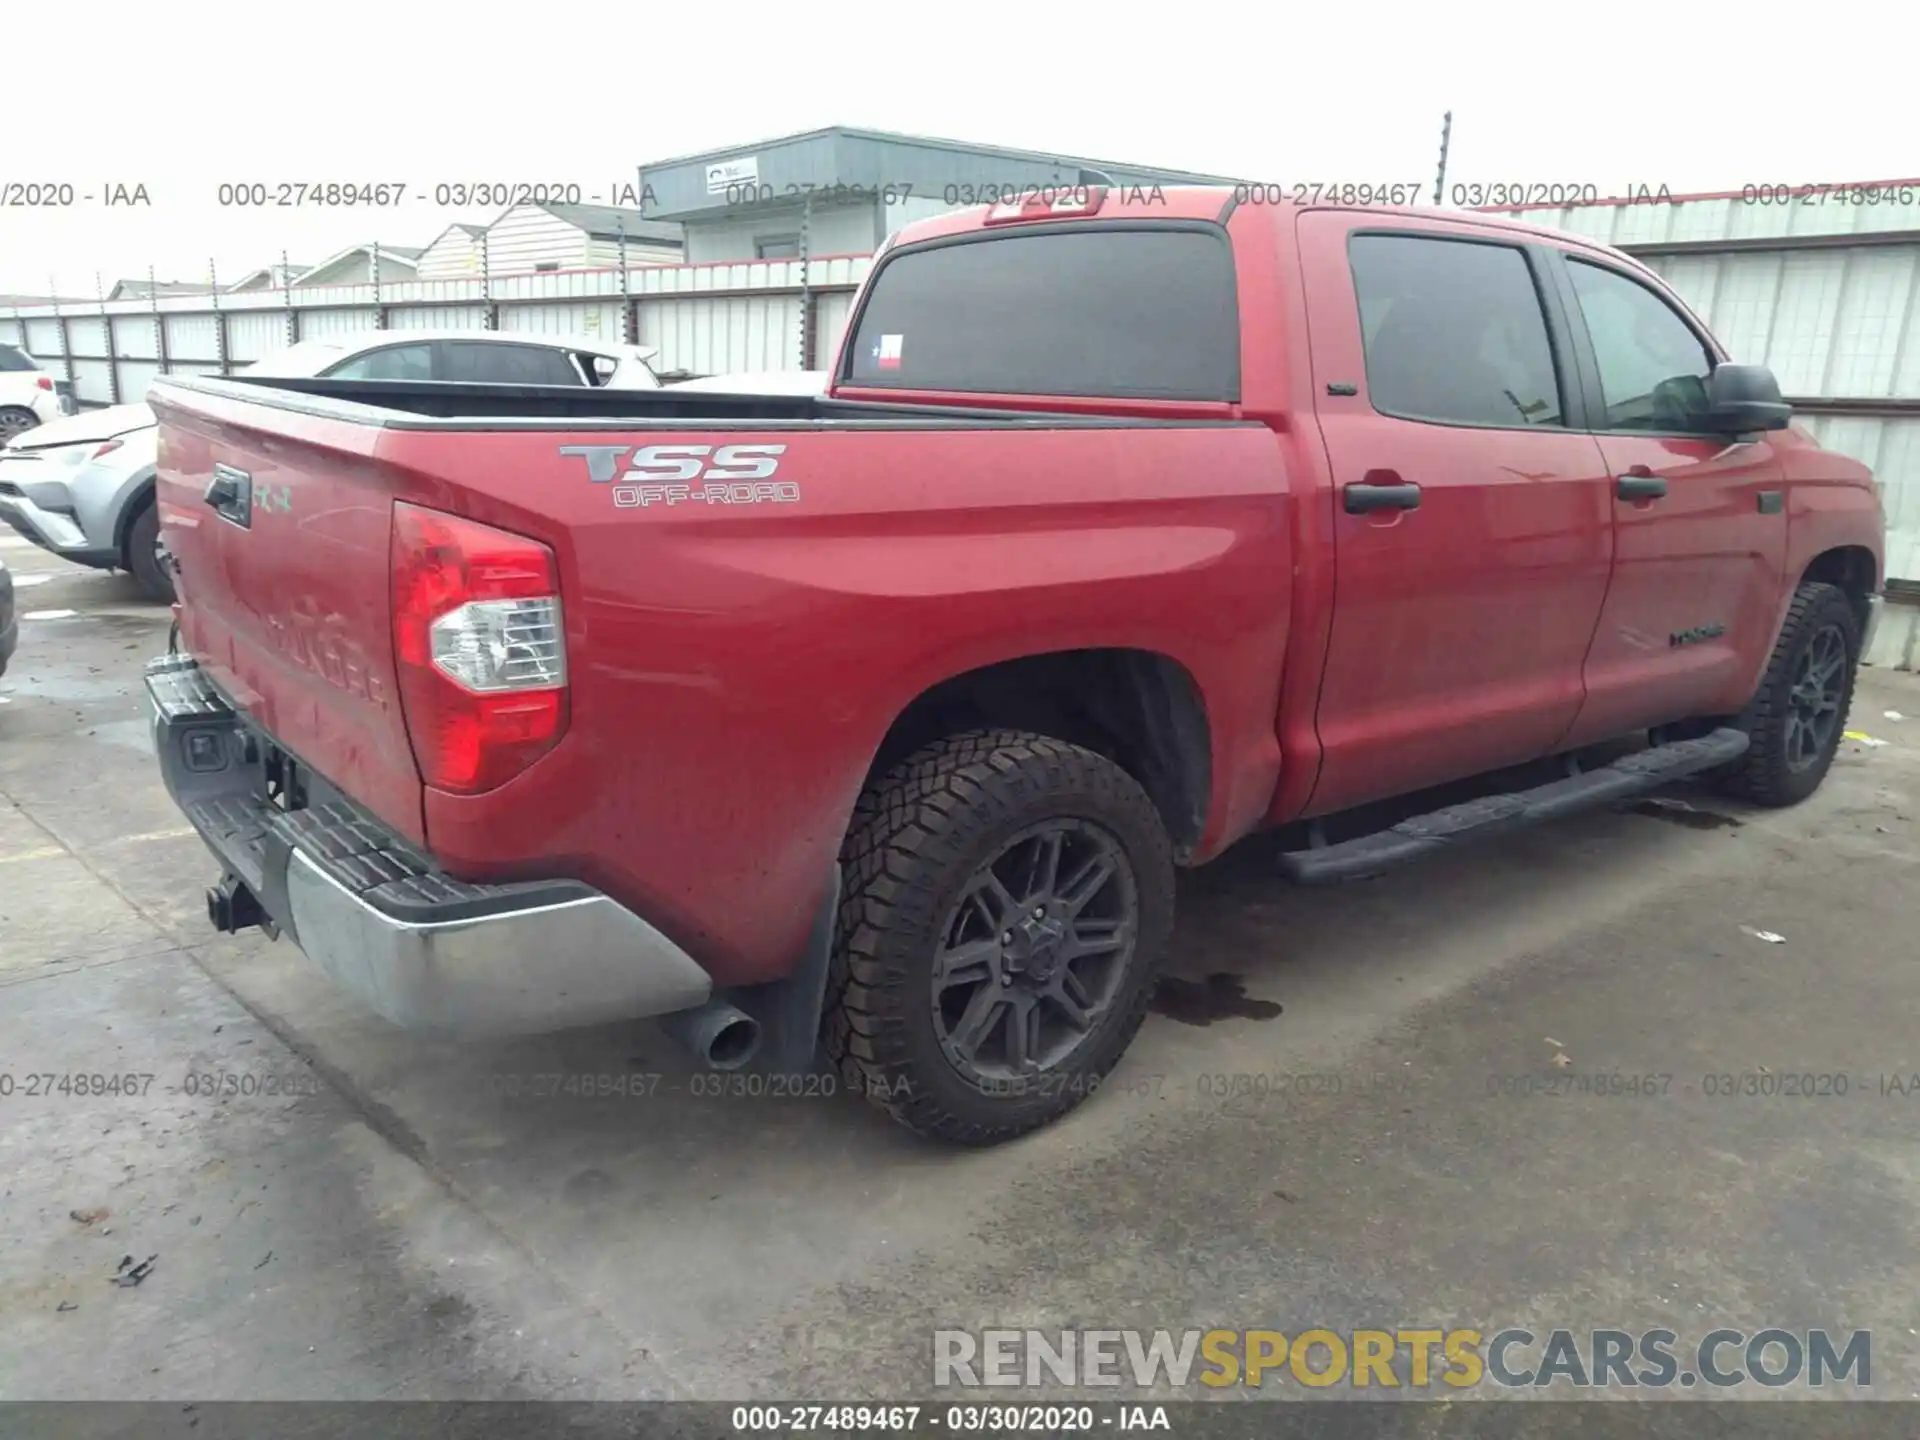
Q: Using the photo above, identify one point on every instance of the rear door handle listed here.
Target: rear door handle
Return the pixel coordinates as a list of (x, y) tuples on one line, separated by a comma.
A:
[(1362, 497), (1640, 487)]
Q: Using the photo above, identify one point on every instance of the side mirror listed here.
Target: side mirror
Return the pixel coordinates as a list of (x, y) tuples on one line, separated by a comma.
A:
[(1745, 398)]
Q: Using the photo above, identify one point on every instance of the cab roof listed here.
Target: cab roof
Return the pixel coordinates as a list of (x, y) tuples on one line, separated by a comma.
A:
[(1212, 202)]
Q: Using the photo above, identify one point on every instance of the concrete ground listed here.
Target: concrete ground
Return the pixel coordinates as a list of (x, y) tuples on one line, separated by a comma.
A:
[(389, 1223)]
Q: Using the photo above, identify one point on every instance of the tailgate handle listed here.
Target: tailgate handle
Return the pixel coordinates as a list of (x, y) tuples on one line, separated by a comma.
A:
[(231, 495)]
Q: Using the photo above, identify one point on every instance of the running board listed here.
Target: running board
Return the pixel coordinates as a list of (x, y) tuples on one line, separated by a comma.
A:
[(1370, 855)]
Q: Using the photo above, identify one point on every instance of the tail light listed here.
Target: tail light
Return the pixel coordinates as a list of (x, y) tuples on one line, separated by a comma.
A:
[(481, 655), (45, 382), (107, 449)]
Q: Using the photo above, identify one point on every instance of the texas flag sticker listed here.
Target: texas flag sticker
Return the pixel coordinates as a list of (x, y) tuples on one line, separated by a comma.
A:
[(886, 351)]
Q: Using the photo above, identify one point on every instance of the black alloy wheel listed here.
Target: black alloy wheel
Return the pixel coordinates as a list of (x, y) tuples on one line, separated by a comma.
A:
[(1033, 953), (1006, 898), (1813, 702)]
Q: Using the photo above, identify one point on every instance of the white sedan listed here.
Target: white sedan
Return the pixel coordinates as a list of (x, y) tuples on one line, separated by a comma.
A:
[(82, 486), (760, 382)]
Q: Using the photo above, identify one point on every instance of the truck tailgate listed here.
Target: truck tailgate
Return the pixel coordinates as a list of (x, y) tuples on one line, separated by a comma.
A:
[(281, 523)]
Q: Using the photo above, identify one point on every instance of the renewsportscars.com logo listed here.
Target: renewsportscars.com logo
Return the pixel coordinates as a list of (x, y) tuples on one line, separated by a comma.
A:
[(1402, 1358)]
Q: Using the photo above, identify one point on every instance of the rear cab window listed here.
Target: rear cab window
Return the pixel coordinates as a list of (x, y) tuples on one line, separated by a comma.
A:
[(1115, 309)]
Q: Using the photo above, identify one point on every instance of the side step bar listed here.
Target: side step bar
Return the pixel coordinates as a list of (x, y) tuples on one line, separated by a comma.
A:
[(1370, 855)]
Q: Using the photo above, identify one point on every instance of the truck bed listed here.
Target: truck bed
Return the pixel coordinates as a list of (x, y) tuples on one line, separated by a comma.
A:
[(418, 404), (733, 668)]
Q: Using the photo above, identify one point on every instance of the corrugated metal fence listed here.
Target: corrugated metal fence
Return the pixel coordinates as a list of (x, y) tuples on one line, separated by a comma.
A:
[(704, 319)]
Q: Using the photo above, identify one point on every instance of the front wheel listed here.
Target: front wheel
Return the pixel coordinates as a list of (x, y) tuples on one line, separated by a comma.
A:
[(1008, 897), (1796, 718)]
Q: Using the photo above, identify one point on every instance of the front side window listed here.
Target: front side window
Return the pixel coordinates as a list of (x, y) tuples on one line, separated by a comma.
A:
[(506, 364), (1104, 311), (1453, 332), (1653, 368), (395, 362)]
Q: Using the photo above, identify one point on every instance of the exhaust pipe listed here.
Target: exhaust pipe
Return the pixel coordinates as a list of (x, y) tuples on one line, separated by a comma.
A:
[(723, 1036)]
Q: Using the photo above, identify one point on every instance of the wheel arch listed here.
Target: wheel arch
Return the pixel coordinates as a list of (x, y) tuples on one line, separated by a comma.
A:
[(137, 496), (1139, 708), (1853, 570)]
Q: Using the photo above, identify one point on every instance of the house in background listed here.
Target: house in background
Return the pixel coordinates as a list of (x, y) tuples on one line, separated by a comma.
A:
[(454, 254), (152, 289), (28, 302), (268, 277), (354, 266), (532, 239)]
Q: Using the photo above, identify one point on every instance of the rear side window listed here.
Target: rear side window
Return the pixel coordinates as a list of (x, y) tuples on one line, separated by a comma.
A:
[(506, 364), (395, 362), (1127, 313), (1453, 332), (12, 359)]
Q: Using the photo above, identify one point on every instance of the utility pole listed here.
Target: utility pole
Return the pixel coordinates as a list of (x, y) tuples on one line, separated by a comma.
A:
[(490, 317), (626, 291), (113, 351), (219, 319), (286, 294), (1440, 180)]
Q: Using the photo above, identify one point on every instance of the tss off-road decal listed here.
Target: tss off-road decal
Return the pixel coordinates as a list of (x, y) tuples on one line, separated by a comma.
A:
[(665, 474)]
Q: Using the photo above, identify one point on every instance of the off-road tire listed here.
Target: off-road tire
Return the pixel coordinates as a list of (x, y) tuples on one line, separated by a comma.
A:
[(1763, 775), (142, 563), (918, 833)]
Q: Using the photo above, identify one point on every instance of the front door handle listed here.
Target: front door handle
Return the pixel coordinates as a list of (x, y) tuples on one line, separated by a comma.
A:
[(1362, 497), (1640, 487)]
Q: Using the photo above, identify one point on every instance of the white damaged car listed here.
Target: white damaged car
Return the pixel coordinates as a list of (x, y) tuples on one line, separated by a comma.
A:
[(83, 486)]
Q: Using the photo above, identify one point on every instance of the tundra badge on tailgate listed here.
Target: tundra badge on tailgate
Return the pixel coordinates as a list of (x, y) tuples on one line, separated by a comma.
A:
[(664, 474)]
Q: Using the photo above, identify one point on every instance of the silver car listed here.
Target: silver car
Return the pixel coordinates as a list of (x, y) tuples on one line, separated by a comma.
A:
[(83, 487)]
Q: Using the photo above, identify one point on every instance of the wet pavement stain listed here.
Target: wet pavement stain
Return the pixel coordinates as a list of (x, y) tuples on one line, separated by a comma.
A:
[(1201, 1002), (1678, 813)]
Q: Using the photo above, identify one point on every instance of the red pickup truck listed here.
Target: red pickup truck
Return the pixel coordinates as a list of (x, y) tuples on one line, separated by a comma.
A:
[(1131, 524)]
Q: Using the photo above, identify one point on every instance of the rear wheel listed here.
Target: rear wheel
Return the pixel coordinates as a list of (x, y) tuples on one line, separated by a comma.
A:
[(1008, 898), (14, 420), (143, 556), (1796, 718)]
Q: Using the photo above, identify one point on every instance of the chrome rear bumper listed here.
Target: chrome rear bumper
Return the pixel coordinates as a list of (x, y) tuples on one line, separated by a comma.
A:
[(421, 949)]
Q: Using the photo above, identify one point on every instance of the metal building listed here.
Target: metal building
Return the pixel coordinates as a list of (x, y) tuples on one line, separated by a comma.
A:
[(841, 191), (1822, 285)]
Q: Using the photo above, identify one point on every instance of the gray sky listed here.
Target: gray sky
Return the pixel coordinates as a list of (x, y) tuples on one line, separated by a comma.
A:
[(184, 96)]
